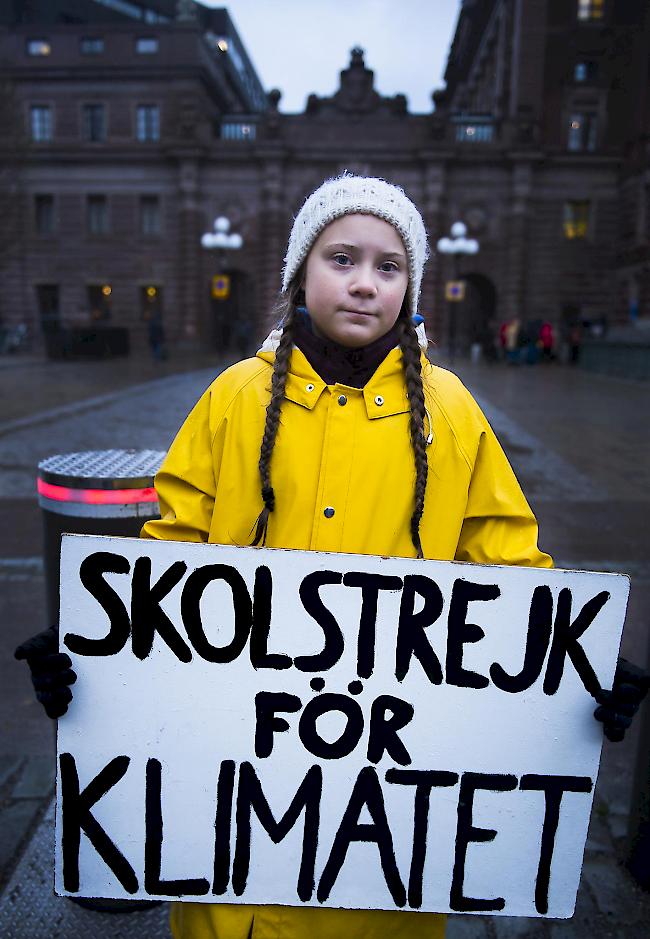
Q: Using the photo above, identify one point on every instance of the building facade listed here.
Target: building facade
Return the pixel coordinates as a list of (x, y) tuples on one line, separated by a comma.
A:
[(131, 126)]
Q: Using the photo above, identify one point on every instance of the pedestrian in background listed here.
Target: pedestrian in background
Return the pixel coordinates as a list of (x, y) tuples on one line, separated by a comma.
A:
[(546, 341), (511, 334), (156, 335), (575, 339), (341, 399)]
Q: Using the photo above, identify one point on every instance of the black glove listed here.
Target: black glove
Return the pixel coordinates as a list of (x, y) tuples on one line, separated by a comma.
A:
[(617, 707), (51, 670)]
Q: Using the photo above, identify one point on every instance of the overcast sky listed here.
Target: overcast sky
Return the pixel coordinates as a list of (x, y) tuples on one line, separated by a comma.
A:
[(300, 46)]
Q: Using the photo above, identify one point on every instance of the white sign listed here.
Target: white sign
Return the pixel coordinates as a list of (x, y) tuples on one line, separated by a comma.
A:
[(263, 726)]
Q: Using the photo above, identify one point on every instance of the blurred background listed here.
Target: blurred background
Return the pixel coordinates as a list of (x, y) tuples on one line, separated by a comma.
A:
[(129, 127), (153, 154)]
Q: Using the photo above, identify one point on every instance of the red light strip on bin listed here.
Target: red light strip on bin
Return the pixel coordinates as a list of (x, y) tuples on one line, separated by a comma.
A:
[(96, 496)]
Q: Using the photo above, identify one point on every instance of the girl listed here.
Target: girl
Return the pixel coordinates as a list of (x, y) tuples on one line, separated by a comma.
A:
[(338, 436), (341, 436)]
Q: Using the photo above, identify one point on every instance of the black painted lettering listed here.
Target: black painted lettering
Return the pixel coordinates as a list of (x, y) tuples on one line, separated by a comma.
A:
[(222, 823), (540, 625), (466, 833), (565, 642), (91, 574), (333, 648), (154, 884), (349, 737), (384, 735), (367, 793), (553, 788), (424, 781), (251, 797), (193, 590), (411, 638), (77, 817), (148, 617), (262, 595), (460, 632), (370, 585), (267, 704)]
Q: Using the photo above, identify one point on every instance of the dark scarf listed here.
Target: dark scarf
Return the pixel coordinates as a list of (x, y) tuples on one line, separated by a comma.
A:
[(335, 363)]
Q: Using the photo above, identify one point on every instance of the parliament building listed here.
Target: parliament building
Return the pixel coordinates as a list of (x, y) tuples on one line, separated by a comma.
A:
[(129, 126)]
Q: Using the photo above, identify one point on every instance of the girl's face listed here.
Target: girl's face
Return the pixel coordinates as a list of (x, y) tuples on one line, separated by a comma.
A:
[(356, 277)]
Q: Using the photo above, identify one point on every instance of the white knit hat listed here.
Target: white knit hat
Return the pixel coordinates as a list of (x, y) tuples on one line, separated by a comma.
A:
[(345, 195)]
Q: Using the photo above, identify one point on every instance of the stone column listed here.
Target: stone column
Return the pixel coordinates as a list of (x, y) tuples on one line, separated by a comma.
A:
[(432, 300), (514, 293), (190, 229), (272, 230)]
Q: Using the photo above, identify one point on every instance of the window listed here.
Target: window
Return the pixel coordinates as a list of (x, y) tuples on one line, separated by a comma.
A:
[(473, 128), (576, 219), (149, 215), (474, 133), (123, 6), (585, 71), (590, 10), (582, 131), (99, 301), (94, 122), (148, 122), (237, 131), (146, 45), (135, 11), (38, 47), (44, 214), (97, 215), (91, 46), (41, 122)]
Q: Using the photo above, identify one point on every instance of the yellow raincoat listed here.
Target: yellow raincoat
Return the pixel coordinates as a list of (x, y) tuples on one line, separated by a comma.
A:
[(343, 474)]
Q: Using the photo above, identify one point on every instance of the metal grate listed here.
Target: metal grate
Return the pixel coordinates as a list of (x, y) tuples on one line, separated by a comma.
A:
[(30, 910), (102, 469)]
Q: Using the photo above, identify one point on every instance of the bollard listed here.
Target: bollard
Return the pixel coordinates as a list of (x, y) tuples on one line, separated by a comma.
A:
[(97, 492), (638, 833)]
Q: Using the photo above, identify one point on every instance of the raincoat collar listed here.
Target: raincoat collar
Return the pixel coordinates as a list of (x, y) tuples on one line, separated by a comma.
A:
[(384, 394)]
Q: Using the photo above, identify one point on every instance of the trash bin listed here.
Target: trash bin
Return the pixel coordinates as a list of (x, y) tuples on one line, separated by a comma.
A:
[(97, 492)]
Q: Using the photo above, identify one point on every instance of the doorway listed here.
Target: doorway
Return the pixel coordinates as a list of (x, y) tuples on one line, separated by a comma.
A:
[(49, 313), (477, 315), (232, 308)]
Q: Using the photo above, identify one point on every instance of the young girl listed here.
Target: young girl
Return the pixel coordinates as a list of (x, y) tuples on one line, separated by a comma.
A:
[(338, 436), (341, 436)]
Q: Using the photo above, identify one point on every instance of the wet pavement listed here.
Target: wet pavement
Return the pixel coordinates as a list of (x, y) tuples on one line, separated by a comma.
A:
[(580, 446)]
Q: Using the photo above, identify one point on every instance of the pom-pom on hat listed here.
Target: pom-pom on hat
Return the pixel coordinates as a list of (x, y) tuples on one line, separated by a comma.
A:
[(345, 195)]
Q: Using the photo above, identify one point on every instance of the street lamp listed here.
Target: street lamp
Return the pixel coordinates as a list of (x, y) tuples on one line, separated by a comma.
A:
[(223, 240), (221, 237), (457, 245)]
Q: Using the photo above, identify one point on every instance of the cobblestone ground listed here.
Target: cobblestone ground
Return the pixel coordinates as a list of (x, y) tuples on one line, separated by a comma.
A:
[(580, 446)]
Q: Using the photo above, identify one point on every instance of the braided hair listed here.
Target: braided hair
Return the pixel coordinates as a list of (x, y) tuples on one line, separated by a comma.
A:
[(285, 313), (415, 389), (286, 308)]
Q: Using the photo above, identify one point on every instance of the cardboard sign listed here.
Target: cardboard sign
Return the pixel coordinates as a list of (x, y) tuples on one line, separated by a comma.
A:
[(263, 726)]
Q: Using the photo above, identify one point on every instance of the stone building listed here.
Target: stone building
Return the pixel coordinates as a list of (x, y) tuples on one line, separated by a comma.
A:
[(132, 125)]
